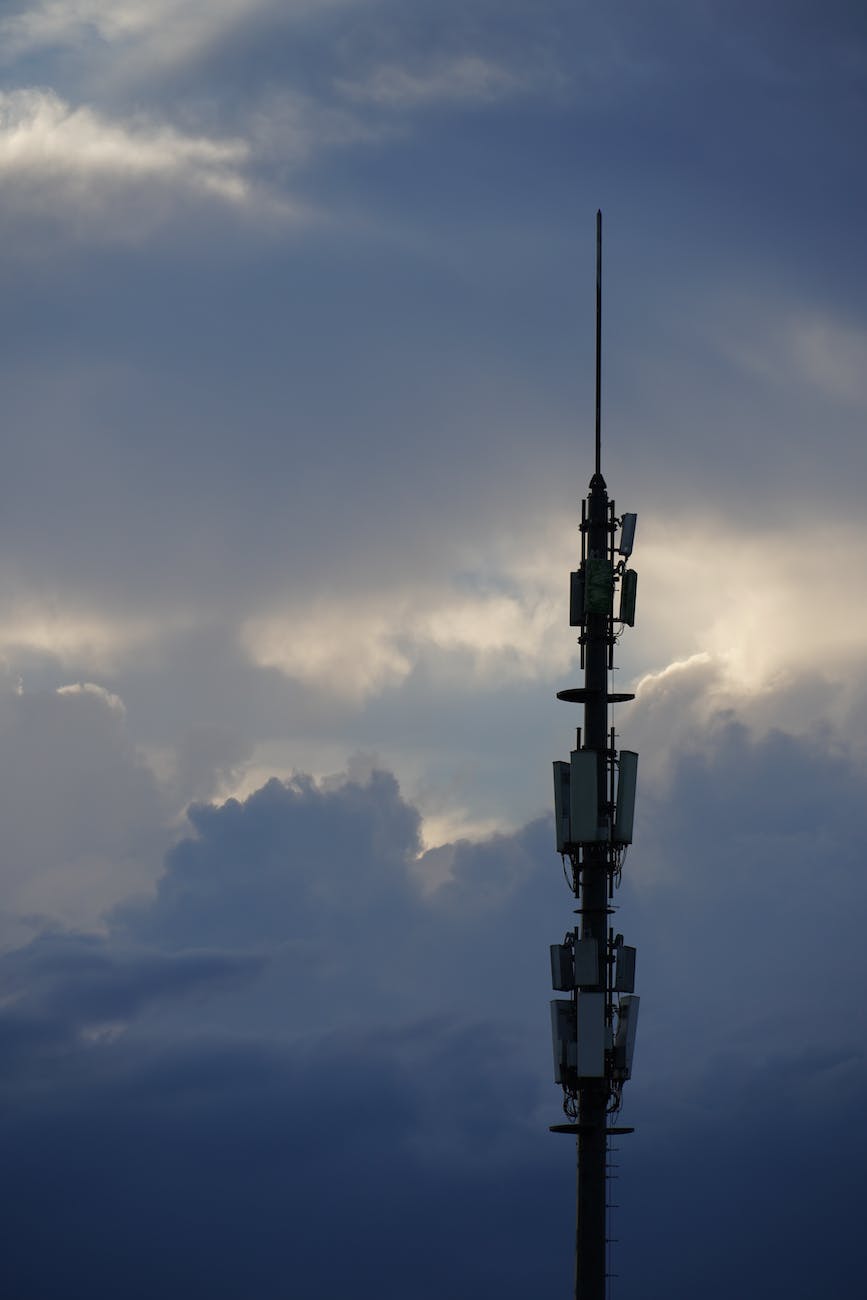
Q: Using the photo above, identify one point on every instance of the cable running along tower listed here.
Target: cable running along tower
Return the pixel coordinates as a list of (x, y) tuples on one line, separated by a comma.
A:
[(594, 1019)]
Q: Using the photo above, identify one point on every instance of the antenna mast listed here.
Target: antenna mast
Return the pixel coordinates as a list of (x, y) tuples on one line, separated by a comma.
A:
[(594, 803), (599, 342)]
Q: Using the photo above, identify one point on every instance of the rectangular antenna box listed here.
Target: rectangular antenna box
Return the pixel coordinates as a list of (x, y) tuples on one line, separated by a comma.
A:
[(576, 598), (624, 808), (584, 797), (561, 807), (628, 592), (591, 1035), (598, 585), (624, 1039), (627, 534), (563, 1038), (562, 968), (624, 969), (586, 961)]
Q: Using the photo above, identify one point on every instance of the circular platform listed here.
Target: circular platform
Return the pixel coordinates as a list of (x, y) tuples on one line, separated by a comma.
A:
[(580, 695), (576, 1129)]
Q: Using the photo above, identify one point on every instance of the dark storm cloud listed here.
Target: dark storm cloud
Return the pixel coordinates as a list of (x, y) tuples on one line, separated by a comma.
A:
[(207, 1173), (63, 992), (286, 863), (85, 980), (224, 1129), (409, 1046), (749, 1188), (327, 882)]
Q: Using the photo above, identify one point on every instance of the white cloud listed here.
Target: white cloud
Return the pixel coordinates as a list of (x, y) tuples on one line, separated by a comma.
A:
[(764, 604), (69, 22), (88, 639), (351, 653), (175, 28), (83, 822), (355, 649), (77, 151), (112, 701), (131, 41)]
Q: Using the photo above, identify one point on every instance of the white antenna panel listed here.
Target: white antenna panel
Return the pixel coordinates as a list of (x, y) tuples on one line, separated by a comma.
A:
[(624, 970), (624, 811), (627, 534), (563, 1038), (584, 797), (624, 1039)]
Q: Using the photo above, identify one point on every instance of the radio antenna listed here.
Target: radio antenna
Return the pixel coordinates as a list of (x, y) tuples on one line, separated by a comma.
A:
[(599, 341)]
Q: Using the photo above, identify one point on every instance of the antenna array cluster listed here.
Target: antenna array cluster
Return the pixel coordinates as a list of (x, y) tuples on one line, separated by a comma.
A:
[(594, 811)]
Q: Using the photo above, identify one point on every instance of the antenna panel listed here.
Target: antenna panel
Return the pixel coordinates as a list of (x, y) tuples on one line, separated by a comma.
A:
[(584, 798), (624, 970), (624, 1039), (591, 1035), (627, 534), (586, 961), (561, 806), (563, 1039), (598, 586), (628, 591), (624, 811), (562, 968), (576, 598)]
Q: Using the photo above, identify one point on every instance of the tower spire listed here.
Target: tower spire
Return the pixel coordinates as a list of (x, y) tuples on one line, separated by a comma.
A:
[(599, 342)]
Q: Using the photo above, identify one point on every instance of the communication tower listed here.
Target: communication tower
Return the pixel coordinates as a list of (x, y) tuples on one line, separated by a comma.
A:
[(594, 1020)]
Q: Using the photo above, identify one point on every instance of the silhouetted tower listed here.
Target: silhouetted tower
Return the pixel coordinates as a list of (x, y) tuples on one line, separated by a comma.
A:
[(594, 804)]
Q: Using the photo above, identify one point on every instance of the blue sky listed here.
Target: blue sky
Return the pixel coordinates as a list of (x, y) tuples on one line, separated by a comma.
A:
[(297, 320)]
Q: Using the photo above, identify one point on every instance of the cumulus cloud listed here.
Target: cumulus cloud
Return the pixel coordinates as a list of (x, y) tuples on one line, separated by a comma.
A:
[(83, 820), (277, 863), (328, 880)]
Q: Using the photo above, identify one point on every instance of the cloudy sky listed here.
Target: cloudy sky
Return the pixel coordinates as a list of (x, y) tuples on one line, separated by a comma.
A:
[(296, 375)]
